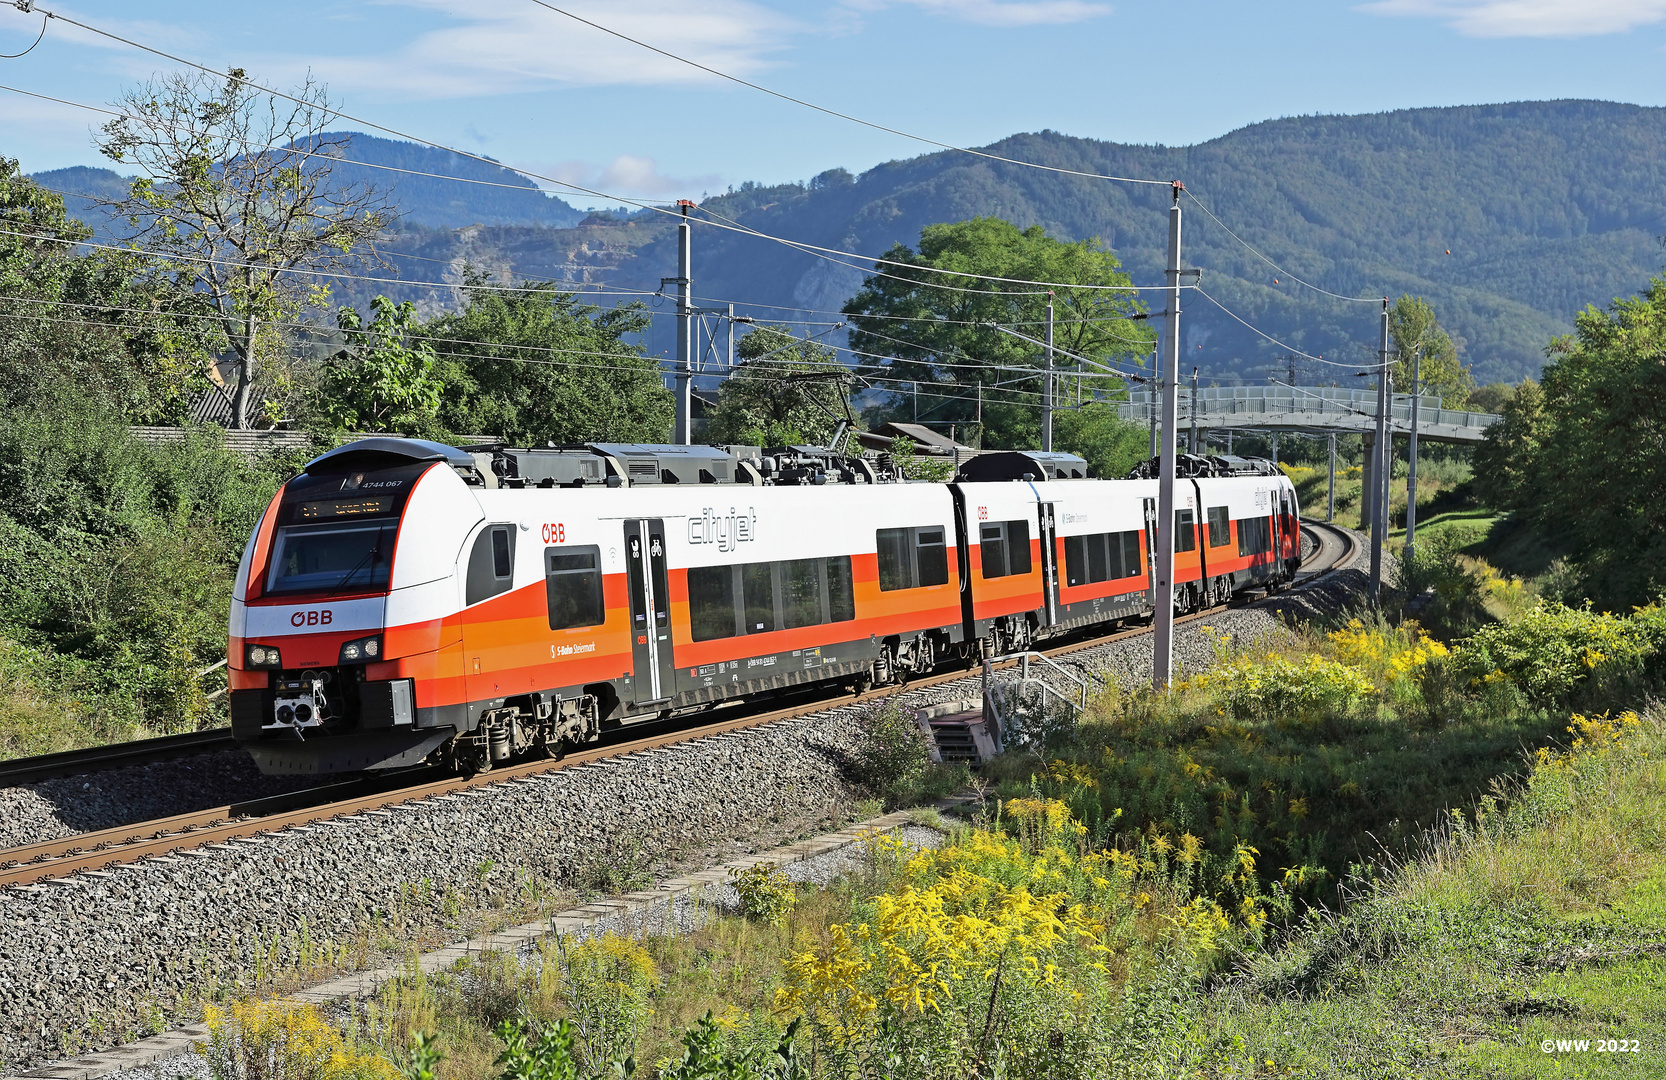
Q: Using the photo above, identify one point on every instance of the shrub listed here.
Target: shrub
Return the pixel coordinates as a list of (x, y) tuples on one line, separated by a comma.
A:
[(766, 893), (891, 753), (606, 984), (283, 1040), (1284, 688), (1552, 649), (992, 956)]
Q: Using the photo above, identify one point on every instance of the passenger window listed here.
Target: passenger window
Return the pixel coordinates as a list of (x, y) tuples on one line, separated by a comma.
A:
[(1100, 557), (711, 602), (933, 557), (912, 558), (1220, 527), (841, 597), (573, 587), (1130, 553), (491, 564), (757, 589), (992, 548), (1185, 531), (1075, 560), (502, 564), (1004, 547), (801, 593), (895, 559), (1254, 536)]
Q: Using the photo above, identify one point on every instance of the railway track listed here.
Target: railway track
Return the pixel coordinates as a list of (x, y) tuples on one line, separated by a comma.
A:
[(113, 756), (100, 851)]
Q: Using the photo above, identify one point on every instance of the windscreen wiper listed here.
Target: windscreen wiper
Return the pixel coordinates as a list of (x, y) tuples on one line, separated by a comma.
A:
[(370, 557)]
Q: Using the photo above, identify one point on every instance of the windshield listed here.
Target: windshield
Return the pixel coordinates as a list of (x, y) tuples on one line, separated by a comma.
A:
[(311, 558)]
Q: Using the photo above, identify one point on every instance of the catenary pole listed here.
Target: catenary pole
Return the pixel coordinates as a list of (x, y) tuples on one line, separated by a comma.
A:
[(685, 331), (1411, 453), (1192, 444), (1330, 492), (1162, 600), (1155, 394), (1047, 384), (1380, 463)]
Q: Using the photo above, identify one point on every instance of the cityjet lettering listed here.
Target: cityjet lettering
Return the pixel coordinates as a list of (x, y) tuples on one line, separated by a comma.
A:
[(724, 531)]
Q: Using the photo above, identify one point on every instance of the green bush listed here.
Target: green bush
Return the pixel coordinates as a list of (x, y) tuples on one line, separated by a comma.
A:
[(1553, 649), (766, 893), (891, 752)]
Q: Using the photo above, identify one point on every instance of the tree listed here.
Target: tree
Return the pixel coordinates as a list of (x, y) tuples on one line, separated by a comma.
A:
[(1506, 459), (784, 392), (381, 381), (531, 363), (130, 350), (1095, 432), (234, 198), (1413, 329), (1490, 398), (942, 337), (1598, 471)]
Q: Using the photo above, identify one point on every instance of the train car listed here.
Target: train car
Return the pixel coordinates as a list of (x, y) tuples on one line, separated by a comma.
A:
[(404, 602)]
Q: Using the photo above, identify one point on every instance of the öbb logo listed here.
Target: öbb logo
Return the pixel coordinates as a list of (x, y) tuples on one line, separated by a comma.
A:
[(311, 618)]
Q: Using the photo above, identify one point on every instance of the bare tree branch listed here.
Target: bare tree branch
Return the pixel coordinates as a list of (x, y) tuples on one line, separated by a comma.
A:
[(234, 194)]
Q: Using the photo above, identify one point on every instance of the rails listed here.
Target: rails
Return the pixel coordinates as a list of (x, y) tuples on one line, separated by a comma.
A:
[(114, 756)]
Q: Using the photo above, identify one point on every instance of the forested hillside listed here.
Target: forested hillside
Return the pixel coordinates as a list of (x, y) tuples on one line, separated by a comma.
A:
[(501, 197), (1544, 208)]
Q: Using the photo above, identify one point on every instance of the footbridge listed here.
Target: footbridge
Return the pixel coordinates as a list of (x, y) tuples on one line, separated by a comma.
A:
[(1314, 410)]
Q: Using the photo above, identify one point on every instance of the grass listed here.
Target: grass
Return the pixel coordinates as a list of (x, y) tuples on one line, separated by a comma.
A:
[(1544, 920)]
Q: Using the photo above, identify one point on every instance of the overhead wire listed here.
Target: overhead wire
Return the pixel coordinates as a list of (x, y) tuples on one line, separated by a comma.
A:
[(840, 115), (324, 107), (1264, 258)]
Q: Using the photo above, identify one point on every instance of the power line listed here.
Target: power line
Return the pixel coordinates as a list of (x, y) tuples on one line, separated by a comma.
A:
[(1258, 254), (331, 110), (843, 116)]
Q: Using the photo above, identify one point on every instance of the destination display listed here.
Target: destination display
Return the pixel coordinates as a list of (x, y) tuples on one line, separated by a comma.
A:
[(340, 508)]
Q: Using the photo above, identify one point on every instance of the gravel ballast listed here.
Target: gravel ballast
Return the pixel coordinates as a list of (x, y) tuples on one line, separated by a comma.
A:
[(80, 959), (64, 806)]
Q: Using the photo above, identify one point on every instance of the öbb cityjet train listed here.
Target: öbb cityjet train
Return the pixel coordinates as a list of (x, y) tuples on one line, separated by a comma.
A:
[(403, 601)]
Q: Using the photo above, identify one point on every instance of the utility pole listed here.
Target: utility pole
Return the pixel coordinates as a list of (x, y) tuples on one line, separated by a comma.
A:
[(730, 339), (1275, 448), (1047, 384), (683, 434), (1162, 600), (1330, 497), (1380, 459), (1411, 452), (1154, 395), (1193, 444)]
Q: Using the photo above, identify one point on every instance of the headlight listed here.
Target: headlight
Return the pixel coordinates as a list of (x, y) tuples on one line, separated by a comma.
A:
[(362, 650), (264, 656)]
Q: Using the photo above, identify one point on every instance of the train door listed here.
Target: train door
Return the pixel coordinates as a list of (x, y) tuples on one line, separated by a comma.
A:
[(650, 596), (1049, 563)]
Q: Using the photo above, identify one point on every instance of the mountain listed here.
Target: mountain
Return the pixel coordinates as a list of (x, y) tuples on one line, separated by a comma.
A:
[(1544, 207), (499, 196)]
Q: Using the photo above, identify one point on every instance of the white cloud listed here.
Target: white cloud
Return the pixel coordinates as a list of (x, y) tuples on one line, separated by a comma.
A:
[(629, 175), (1529, 18), (1000, 12), (511, 46)]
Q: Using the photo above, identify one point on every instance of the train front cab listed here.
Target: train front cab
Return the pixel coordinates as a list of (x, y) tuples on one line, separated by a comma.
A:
[(339, 634)]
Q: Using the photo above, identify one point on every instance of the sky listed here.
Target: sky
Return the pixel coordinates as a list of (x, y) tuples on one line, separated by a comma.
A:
[(541, 91)]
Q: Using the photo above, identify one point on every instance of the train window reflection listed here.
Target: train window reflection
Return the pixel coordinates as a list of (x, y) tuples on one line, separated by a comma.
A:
[(313, 559), (573, 588)]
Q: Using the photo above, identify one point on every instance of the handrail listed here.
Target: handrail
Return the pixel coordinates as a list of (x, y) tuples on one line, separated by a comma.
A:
[(1023, 658)]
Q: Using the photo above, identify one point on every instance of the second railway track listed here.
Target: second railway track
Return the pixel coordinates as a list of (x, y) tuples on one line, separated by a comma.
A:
[(105, 849)]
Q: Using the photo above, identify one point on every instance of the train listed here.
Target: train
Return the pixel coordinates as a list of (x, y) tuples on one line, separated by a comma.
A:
[(404, 602)]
